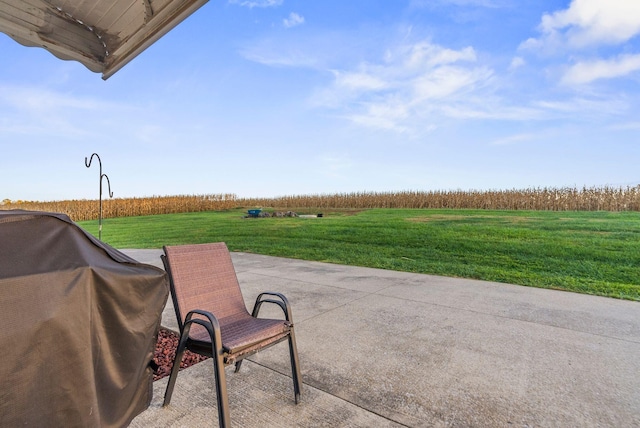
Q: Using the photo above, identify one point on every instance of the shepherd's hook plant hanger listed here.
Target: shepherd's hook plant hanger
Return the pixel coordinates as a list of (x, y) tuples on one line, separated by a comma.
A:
[(87, 163)]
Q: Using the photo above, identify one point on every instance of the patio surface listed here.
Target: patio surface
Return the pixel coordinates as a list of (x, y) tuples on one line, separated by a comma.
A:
[(389, 349)]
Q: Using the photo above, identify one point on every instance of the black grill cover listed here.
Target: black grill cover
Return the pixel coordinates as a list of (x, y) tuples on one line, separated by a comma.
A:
[(78, 325)]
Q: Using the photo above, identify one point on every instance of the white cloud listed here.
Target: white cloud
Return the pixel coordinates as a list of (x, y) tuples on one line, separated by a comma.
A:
[(257, 3), (588, 71), (32, 110), (39, 99), (401, 91), (423, 70), (491, 109), (443, 82), (272, 57), (582, 107), (356, 81), (584, 29), (389, 115), (427, 54), (588, 23), (284, 51), (516, 63), (293, 20), (38, 111)]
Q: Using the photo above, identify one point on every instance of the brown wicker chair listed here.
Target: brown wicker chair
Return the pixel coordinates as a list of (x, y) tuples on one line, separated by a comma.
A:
[(204, 286)]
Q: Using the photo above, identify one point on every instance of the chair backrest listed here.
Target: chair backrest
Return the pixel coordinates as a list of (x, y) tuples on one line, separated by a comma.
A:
[(203, 277)]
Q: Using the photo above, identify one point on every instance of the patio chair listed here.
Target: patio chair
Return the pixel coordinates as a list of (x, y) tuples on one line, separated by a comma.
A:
[(214, 320)]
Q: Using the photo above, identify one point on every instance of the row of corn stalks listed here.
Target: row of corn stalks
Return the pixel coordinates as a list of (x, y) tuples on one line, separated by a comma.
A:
[(550, 199), (79, 210)]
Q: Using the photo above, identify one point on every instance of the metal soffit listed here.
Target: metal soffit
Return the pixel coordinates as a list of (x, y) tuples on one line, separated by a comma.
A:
[(102, 35)]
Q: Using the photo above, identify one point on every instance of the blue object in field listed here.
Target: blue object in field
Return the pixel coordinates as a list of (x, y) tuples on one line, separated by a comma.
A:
[(254, 213)]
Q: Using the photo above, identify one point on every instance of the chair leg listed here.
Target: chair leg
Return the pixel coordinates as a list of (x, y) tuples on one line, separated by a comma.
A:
[(213, 328), (182, 346), (238, 365), (224, 418), (295, 366)]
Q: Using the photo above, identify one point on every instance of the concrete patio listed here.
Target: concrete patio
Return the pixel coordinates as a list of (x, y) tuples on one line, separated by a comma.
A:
[(384, 349)]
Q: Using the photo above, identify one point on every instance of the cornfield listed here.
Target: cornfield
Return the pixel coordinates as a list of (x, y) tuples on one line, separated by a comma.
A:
[(540, 199), (548, 199), (79, 210)]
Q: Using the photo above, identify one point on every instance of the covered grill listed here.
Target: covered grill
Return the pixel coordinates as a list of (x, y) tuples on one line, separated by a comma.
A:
[(79, 324)]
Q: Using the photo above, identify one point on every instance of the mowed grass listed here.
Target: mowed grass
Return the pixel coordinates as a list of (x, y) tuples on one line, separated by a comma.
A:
[(587, 252)]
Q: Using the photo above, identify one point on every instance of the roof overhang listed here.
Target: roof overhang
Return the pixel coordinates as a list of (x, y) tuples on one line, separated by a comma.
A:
[(102, 35)]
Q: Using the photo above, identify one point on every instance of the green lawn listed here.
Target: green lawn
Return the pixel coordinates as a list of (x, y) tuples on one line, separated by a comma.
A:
[(586, 252)]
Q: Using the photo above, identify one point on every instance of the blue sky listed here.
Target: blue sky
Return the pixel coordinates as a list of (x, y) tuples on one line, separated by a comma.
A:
[(285, 97)]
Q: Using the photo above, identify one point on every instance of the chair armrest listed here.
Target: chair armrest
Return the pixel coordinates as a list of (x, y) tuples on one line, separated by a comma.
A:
[(208, 315), (283, 303), (210, 323)]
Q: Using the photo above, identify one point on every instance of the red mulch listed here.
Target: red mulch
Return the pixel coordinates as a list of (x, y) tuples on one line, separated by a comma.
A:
[(166, 352)]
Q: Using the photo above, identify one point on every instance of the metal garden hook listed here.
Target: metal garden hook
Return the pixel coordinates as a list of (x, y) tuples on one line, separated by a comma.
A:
[(87, 163)]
